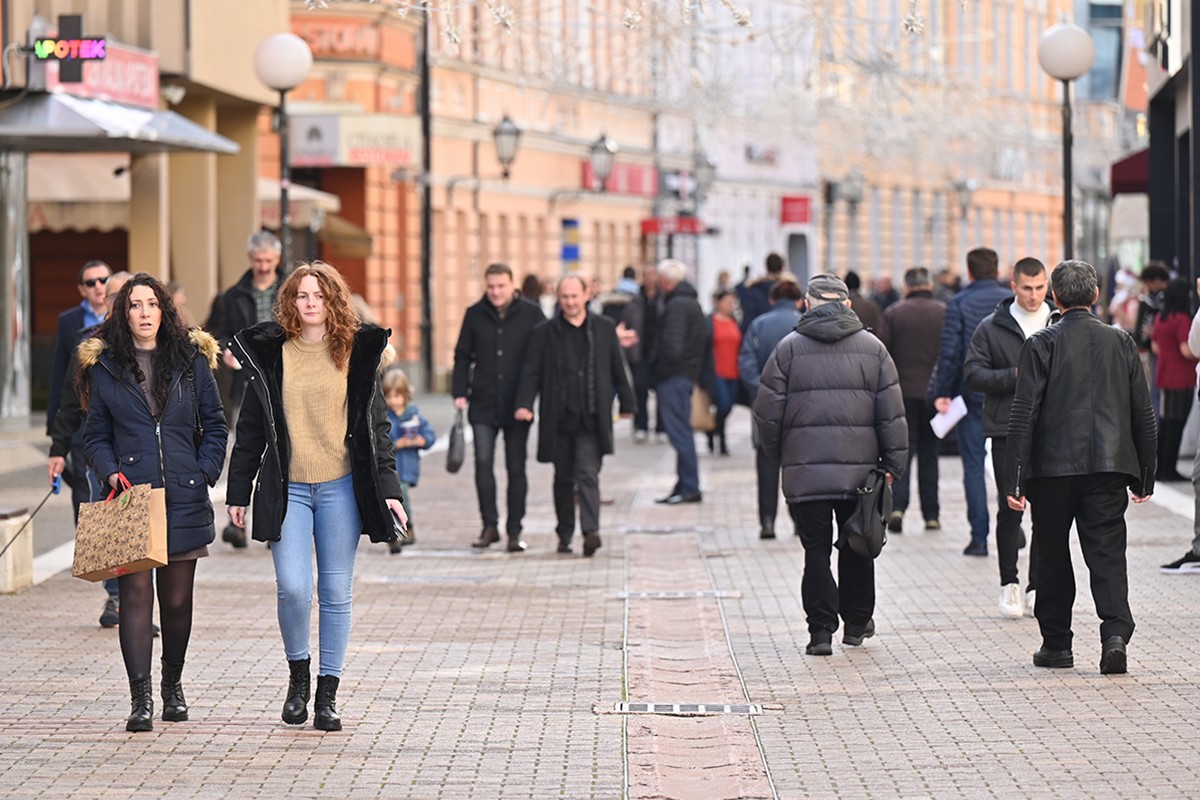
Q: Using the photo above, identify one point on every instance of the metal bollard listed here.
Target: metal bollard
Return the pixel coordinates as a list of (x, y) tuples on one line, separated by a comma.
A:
[(16, 565)]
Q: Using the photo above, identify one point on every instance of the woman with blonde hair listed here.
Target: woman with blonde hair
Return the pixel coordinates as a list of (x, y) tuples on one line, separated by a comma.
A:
[(314, 431)]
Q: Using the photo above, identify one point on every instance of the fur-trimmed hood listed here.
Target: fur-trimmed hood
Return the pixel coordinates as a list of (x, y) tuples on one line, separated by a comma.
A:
[(91, 349)]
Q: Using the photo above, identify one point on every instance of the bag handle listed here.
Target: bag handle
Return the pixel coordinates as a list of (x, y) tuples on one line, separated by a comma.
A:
[(122, 483)]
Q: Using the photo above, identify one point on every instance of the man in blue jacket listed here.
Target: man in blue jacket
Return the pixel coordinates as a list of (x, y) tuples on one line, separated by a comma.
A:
[(757, 345), (964, 312)]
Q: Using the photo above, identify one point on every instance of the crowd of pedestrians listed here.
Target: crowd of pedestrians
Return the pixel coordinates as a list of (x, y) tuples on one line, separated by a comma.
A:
[(838, 383)]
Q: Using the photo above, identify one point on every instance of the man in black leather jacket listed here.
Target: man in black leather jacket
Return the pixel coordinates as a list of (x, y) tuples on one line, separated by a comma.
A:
[(1080, 432)]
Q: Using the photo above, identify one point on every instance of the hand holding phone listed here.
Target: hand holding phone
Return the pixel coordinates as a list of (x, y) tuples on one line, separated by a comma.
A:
[(398, 526)]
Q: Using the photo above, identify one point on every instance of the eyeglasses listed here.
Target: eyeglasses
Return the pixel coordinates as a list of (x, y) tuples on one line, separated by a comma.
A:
[(90, 282)]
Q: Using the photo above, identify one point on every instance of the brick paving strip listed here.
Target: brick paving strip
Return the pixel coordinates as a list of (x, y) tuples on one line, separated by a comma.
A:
[(677, 651)]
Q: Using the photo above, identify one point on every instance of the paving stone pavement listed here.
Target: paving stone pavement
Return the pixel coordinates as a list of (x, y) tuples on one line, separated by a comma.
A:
[(480, 675)]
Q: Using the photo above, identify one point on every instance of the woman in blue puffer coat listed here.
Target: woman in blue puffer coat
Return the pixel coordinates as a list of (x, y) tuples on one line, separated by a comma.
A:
[(154, 416)]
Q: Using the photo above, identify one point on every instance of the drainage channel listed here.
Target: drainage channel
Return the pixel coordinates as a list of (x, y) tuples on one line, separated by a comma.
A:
[(690, 727)]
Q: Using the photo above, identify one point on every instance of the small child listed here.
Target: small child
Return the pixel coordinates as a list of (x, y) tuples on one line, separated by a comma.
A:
[(410, 433)]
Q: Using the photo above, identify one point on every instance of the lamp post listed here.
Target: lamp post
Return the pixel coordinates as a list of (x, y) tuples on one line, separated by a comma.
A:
[(602, 156), (1065, 52), (282, 62), (506, 136)]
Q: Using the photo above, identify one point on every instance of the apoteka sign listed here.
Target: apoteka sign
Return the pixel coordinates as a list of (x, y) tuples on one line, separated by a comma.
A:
[(70, 48)]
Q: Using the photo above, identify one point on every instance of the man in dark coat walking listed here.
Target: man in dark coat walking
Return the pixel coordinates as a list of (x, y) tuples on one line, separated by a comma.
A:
[(487, 369), (754, 296), (829, 408), (911, 332), (963, 314), (1081, 435), (575, 364)]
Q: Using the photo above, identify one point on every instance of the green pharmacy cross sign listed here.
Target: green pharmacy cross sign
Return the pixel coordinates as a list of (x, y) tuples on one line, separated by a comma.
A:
[(71, 48)]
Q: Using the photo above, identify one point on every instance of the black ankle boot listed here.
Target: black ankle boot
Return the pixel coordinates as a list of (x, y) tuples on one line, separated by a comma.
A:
[(295, 708), (174, 705), (325, 716), (141, 704)]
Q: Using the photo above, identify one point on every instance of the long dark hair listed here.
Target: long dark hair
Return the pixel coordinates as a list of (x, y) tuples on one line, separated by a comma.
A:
[(174, 351), (1177, 299)]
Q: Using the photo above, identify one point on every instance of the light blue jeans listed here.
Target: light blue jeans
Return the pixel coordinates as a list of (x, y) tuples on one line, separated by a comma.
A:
[(324, 514)]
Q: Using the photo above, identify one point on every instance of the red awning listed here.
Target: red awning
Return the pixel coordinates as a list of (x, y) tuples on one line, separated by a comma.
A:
[(1131, 174)]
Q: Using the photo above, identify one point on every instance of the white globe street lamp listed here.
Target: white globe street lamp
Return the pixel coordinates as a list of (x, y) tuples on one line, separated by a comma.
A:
[(602, 157), (1066, 52), (283, 61)]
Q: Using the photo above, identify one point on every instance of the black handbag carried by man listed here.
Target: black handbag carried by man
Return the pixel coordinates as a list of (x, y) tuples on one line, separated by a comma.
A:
[(865, 532)]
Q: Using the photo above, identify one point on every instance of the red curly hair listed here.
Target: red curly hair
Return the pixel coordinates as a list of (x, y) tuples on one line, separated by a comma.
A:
[(342, 320)]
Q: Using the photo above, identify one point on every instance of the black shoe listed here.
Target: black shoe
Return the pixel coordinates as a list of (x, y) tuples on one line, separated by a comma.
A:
[(820, 644), (174, 705), (591, 543), (1055, 659), (1189, 564), (854, 634), (325, 716), (234, 535), (110, 617), (767, 531), (295, 708), (677, 499), (975, 548), (1112, 656), (396, 546), (896, 522), (1173, 477), (141, 705), (487, 537), (515, 545), (563, 547)]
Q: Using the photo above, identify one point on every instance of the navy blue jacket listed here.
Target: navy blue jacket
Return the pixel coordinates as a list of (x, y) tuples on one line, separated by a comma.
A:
[(408, 459), (70, 330), (964, 312), (761, 337), (120, 435)]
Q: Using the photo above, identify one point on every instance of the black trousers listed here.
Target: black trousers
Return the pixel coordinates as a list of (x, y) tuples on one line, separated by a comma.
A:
[(923, 444), (853, 595), (1096, 504), (1008, 526), (642, 384), (516, 443), (576, 466)]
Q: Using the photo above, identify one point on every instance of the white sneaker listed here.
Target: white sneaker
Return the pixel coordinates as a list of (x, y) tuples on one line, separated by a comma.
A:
[(1010, 601), (640, 436), (1030, 600)]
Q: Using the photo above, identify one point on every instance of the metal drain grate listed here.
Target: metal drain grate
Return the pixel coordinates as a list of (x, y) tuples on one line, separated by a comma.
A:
[(717, 593), (689, 709), (665, 529)]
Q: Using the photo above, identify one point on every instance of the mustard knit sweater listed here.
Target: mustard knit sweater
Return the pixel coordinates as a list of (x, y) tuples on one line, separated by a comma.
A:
[(314, 400)]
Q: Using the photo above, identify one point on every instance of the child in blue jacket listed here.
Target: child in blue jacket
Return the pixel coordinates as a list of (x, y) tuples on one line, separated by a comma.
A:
[(410, 434)]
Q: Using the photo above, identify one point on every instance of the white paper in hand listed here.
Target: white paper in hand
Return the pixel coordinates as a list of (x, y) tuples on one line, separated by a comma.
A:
[(943, 422)]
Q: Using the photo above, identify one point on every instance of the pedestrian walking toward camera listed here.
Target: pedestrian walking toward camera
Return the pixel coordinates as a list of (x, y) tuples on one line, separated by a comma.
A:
[(757, 345), (830, 409), (641, 317), (313, 435), (1175, 375), (1081, 433), (153, 414), (963, 315), (991, 369), (911, 332), (574, 366), (410, 434), (487, 369), (726, 341)]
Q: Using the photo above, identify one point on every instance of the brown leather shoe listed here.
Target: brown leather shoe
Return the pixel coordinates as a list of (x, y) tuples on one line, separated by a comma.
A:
[(515, 545), (591, 543), (487, 538)]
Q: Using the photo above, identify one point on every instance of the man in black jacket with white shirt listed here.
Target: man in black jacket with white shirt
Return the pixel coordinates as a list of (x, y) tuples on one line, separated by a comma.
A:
[(1081, 433)]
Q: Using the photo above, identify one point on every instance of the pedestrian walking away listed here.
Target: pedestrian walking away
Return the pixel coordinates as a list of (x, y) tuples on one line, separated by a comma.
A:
[(1175, 375), (1189, 562), (754, 296), (1080, 435), (575, 367), (726, 341), (830, 410), (320, 483), (488, 359), (757, 345), (912, 331), (153, 414), (410, 434), (964, 312), (991, 369), (641, 317)]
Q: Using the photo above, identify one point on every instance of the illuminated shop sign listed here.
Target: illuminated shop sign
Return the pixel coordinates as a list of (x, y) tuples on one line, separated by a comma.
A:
[(63, 49)]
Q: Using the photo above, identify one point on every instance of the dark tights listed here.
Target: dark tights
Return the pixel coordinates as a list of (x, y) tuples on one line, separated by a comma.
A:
[(175, 589)]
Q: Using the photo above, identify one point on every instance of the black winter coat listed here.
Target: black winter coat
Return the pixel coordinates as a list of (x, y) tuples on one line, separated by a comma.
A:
[(120, 435), (235, 309), (912, 333), (829, 407), (1082, 406), (543, 376), (262, 446), (991, 365), (683, 337), (963, 314), (488, 358)]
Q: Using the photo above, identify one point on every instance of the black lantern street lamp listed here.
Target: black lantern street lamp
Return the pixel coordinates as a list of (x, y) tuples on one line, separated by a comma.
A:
[(282, 62), (507, 138), (602, 157), (1066, 52)]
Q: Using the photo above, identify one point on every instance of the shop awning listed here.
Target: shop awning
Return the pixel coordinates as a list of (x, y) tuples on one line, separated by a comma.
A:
[(303, 202), (1131, 175), (64, 123), (344, 238)]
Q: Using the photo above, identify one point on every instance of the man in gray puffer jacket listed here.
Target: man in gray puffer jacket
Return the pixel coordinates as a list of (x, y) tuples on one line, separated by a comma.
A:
[(829, 409)]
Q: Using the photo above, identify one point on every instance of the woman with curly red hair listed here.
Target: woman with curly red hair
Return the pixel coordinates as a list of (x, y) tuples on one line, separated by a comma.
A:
[(314, 431)]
